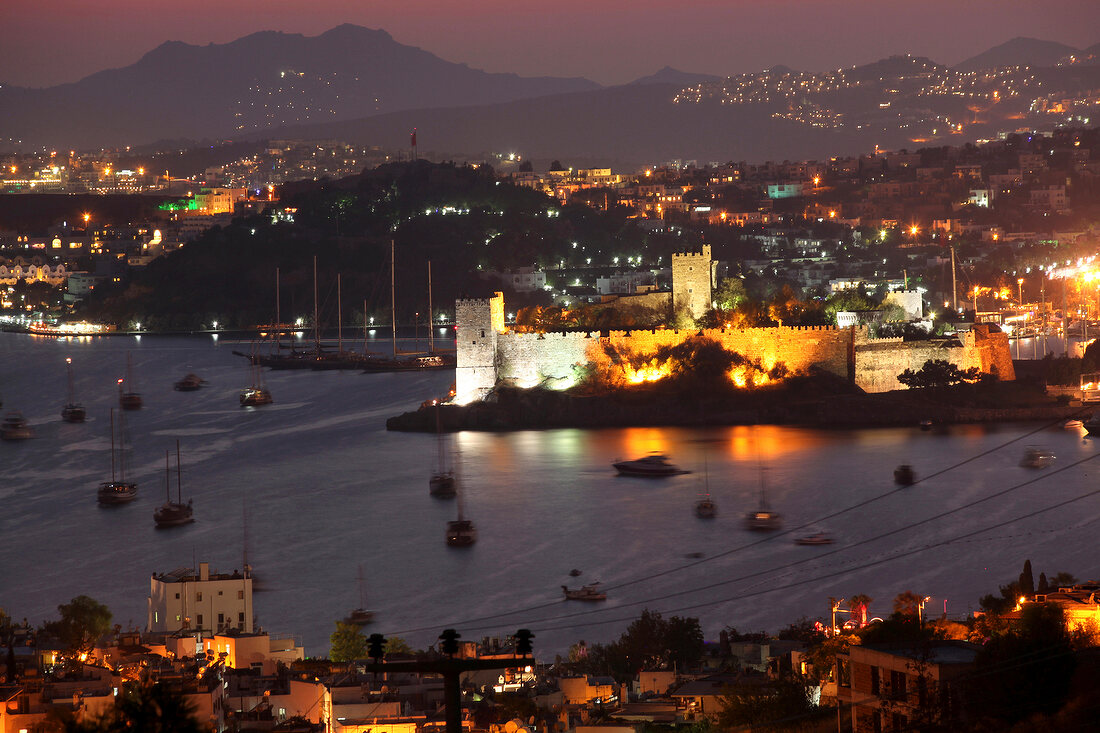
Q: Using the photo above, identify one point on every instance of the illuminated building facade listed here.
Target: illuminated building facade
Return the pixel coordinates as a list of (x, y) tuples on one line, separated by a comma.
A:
[(215, 602)]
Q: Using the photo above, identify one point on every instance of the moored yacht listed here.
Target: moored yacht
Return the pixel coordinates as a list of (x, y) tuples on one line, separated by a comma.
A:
[(15, 427), (654, 465)]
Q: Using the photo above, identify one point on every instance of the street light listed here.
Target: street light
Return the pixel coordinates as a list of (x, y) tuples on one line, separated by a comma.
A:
[(920, 609), (1020, 283)]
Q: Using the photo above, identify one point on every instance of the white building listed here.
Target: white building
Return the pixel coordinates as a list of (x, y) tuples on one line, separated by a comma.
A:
[(213, 602)]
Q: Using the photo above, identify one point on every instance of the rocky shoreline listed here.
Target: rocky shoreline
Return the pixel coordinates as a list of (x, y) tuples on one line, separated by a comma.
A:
[(516, 409)]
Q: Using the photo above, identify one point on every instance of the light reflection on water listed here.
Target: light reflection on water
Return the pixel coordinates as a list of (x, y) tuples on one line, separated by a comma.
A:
[(325, 487)]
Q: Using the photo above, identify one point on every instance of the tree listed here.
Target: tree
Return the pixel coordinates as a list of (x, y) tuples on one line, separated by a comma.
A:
[(1027, 581), (83, 621), (730, 293), (938, 373), (1025, 671), (397, 645), (757, 705), (347, 643), (908, 603), (857, 605)]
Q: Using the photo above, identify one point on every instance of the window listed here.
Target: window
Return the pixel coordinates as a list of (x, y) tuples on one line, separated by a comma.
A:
[(221, 619), (198, 596), (240, 617), (219, 593), (874, 681), (897, 685), (240, 595), (177, 596), (199, 619)]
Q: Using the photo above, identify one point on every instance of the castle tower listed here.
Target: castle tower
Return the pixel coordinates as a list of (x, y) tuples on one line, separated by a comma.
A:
[(477, 324), (693, 282)]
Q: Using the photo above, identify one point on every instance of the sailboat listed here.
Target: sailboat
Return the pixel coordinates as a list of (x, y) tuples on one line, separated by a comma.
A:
[(118, 490), (461, 532), (255, 395), (360, 616), (173, 513), (408, 362), (763, 519), (442, 482), (72, 411), (129, 400), (705, 508)]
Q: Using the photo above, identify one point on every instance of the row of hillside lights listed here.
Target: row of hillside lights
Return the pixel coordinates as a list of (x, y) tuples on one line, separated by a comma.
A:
[(448, 643)]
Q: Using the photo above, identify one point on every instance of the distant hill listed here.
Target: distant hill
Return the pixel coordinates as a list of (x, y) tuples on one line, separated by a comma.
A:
[(1019, 52), (669, 75), (259, 82), (631, 125)]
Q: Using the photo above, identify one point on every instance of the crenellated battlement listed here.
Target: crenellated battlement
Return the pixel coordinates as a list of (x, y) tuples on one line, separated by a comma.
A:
[(703, 253)]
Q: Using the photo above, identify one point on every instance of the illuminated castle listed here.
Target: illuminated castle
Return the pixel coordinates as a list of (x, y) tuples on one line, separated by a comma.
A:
[(489, 353)]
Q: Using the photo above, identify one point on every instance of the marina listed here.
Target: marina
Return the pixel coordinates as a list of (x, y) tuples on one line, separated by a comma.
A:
[(326, 487)]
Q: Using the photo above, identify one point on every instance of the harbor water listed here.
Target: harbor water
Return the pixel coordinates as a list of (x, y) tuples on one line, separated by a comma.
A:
[(313, 486)]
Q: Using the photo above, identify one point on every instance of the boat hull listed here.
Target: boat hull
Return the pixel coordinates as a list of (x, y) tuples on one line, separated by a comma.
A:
[(113, 493), (73, 413), (173, 515), (461, 533), (442, 485)]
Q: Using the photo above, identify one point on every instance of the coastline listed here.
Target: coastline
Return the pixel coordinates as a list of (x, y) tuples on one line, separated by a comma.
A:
[(518, 409)]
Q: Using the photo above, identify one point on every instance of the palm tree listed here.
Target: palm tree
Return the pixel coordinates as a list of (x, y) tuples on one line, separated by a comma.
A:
[(908, 603), (857, 606)]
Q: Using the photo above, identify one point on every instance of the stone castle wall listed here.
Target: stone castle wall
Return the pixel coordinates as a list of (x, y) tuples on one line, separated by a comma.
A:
[(489, 354)]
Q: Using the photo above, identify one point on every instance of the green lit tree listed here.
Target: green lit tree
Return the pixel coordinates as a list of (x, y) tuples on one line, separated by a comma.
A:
[(347, 643)]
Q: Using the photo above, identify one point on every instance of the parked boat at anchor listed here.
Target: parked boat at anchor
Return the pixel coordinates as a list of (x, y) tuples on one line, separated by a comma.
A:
[(1035, 457), (590, 592), (128, 399), (189, 383), (118, 490), (73, 411), (173, 513), (654, 465), (15, 427), (904, 475)]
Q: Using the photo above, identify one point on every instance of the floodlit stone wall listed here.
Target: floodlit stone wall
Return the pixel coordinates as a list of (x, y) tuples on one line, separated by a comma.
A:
[(487, 357), (879, 362)]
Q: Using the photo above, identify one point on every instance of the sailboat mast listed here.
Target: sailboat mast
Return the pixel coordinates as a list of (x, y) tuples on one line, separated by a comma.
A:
[(167, 479), (121, 447), (69, 365), (179, 475), (112, 445), (393, 299), (316, 323), (431, 331), (339, 319), (364, 325)]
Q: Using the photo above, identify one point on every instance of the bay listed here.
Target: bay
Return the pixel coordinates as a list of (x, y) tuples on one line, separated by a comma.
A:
[(313, 486)]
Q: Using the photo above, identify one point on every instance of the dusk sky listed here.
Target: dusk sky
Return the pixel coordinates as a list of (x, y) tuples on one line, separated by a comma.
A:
[(48, 42)]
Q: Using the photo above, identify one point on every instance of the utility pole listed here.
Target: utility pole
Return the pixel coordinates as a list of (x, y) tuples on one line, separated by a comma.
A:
[(450, 668), (954, 285)]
